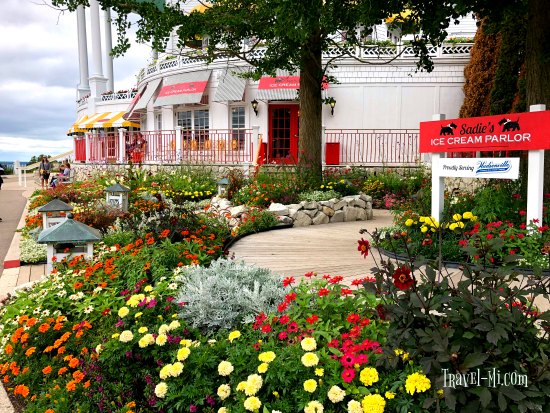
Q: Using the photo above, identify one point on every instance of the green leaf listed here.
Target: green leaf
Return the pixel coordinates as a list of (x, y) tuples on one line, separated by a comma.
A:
[(468, 335), (513, 393), (473, 360), (484, 395)]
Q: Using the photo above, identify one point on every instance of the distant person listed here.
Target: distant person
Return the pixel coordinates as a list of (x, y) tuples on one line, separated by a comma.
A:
[(45, 170), (63, 176), (1, 181)]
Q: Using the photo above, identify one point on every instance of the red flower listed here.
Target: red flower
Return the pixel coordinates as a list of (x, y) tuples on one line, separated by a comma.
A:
[(353, 318), (290, 297), (363, 247), (348, 375), (402, 278), (489, 236), (336, 279), (312, 319), (463, 243), (309, 274), (346, 291), (523, 213), (292, 327), (282, 307), (323, 292), (266, 328), (287, 281), (284, 319), (347, 360), (426, 242)]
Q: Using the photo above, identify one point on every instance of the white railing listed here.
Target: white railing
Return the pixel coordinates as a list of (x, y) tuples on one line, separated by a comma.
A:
[(118, 95), (365, 53)]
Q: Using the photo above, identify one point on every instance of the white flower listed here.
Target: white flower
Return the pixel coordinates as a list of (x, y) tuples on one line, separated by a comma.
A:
[(126, 336), (89, 309), (161, 389)]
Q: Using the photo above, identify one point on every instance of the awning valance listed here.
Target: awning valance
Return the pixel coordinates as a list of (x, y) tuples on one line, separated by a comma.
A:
[(230, 86), (181, 89), (147, 94), (134, 102), (75, 127), (278, 88), (107, 120)]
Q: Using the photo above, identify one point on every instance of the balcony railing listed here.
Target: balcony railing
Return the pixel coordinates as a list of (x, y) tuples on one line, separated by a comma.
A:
[(365, 53)]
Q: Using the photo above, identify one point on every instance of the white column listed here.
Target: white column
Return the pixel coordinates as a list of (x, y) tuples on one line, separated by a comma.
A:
[(438, 182), (535, 179), (108, 49), (98, 83), (256, 142), (121, 146), (178, 144), (84, 85), (87, 153)]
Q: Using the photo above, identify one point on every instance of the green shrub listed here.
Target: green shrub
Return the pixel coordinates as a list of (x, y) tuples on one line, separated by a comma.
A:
[(114, 237), (255, 221), (226, 294), (30, 251)]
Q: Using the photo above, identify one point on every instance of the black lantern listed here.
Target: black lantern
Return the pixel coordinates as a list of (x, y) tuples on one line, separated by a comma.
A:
[(254, 104)]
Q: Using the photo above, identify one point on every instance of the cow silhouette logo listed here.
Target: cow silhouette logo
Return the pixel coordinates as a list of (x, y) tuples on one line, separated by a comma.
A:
[(509, 125), (448, 129)]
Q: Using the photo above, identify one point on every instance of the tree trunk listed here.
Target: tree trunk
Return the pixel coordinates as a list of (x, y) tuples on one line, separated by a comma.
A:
[(537, 64), (309, 148)]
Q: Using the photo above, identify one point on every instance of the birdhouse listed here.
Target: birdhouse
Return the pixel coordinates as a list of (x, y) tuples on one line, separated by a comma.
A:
[(68, 239), (54, 212), (222, 186), (117, 196)]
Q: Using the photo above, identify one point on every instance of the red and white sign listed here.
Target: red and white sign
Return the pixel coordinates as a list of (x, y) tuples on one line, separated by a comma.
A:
[(283, 82), (517, 131), (185, 88)]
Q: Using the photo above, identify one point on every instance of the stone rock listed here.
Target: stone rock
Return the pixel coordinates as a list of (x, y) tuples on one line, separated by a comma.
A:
[(285, 220), (309, 205), (233, 222), (329, 204), (297, 207), (338, 216), (352, 213), (238, 211), (310, 212), (321, 218), (358, 203), (369, 212), (302, 219), (340, 204), (327, 211), (278, 209), (292, 212), (364, 197)]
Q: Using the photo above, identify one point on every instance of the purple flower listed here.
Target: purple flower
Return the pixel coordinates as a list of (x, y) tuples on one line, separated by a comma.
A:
[(210, 400), (193, 408), (152, 303), (119, 323)]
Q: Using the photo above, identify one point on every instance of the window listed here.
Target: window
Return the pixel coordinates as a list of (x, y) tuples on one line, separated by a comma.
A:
[(194, 125), (158, 121), (238, 126)]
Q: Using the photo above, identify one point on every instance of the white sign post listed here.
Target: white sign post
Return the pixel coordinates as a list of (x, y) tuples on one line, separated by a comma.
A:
[(535, 178)]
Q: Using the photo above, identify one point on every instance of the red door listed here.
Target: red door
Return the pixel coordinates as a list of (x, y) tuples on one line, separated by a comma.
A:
[(283, 134)]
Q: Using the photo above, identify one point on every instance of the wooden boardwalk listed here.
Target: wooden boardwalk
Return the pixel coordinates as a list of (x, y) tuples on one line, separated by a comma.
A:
[(325, 249)]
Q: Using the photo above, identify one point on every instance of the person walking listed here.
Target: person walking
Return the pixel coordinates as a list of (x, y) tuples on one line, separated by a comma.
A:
[(45, 170)]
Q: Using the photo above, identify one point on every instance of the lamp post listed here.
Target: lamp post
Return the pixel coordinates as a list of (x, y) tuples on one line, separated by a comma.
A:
[(117, 196), (54, 212), (254, 104), (222, 186), (69, 238)]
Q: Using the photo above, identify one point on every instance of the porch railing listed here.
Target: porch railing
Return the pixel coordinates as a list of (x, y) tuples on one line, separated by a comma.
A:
[(374, 146)]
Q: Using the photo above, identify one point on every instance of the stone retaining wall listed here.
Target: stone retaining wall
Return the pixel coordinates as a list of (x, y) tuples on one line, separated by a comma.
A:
[(348, 208)]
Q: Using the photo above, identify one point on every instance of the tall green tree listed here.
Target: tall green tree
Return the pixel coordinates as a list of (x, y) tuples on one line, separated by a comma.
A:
[(294, 34)]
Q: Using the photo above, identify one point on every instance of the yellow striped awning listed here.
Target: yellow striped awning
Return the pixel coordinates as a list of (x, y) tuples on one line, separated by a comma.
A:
[(107, 120), (75, 127)]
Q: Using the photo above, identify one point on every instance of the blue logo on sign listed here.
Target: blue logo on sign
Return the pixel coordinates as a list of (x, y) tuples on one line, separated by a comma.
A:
[(484, 167)]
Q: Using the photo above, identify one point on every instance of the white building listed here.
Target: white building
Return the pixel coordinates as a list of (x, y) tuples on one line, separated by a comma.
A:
[(186, 110)]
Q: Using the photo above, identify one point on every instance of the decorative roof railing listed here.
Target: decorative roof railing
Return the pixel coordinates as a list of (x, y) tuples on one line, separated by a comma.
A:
[(374, 52)]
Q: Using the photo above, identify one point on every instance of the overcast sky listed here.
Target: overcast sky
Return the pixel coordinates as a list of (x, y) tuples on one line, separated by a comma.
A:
[(38, 78)]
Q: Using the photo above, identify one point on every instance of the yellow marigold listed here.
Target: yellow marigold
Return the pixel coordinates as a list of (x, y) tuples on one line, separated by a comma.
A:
[(409, 222), (176, 369), (308, 344), (389, 395), (336, 394), (423, 228), (417, 382), (241, 386), (354, 407), (186, 343), (267, 356), (142, 330), (126, 336), (457, 217), (460, 224), (252, 403), (401, 353), (146, 340), (161, 339), (373, 403), (310, 359), (174, 324), (163, 329), (314, 407), (164, 372), (135, 300), (225, 368), (222, 410), (161, 389), (467, 215), (183, 353), (224, 391), (262, 368), (310, 385), (123, 312), (148, 289), (319, 372), (234, 335), (453, 226), (368, 376)]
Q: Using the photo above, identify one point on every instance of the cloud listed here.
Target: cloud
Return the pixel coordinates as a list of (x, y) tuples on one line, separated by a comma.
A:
[(39, 75)]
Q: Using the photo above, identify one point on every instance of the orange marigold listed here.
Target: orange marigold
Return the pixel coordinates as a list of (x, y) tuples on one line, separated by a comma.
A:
[(29, 351), (74, 362), (8, 349), (71, 386), (21, 389), (62, 370), (44, 327), (47, 370)]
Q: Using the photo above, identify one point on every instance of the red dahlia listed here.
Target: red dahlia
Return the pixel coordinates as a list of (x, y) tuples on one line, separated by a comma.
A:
[(402, 278), (363, 247)]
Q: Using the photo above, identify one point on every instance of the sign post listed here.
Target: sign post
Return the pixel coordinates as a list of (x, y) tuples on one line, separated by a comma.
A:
[(520, 131)]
